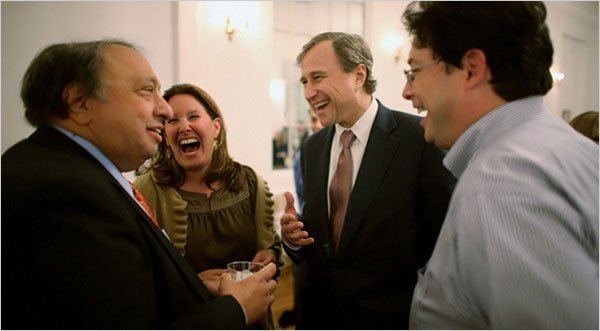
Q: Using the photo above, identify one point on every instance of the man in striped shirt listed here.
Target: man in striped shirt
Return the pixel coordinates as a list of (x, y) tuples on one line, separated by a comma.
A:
[(519, 245)]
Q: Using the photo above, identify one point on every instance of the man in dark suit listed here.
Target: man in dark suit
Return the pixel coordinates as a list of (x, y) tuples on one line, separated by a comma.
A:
[(361, 271), (78, 249)]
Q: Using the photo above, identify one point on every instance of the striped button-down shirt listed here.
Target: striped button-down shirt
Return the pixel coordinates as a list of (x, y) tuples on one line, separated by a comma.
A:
[(519, 246)]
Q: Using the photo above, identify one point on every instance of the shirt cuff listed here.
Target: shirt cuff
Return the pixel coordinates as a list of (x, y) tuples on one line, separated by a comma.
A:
[(290, 246)]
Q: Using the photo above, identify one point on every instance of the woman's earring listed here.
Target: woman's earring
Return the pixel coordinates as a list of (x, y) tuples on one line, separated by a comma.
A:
[(215, 144), (169, 153)]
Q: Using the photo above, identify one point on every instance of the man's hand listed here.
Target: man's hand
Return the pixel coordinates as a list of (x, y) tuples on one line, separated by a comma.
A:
[(264, 257), (291, 228), (212, 279), (255, 293)]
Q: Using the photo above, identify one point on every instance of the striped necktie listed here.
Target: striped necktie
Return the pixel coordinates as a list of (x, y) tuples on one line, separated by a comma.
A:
[(145, 205)]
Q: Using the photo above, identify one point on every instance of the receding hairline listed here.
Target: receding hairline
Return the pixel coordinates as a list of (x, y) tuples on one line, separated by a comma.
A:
[(303, 53)]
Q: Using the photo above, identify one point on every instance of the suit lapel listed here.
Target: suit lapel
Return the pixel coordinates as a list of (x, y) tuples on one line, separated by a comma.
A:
[(378, 154), (322, 177), (167, 246), (52, 137)]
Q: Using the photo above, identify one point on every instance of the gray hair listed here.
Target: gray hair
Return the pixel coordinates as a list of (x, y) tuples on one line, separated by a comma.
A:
[(350, 50)]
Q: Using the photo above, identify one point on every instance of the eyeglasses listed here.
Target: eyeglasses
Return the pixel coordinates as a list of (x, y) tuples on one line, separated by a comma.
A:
[(410, 74)]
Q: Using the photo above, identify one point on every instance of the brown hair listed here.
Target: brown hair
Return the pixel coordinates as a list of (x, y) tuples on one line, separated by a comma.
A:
[(587, 124), (222, 167)]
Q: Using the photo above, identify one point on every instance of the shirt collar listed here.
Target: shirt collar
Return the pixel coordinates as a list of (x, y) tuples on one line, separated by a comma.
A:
[(489, 128), (98, 155), (362, 127)]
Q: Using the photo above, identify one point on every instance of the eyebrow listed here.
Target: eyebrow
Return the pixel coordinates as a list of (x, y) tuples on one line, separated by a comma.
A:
[(154, 81), (313, 73)]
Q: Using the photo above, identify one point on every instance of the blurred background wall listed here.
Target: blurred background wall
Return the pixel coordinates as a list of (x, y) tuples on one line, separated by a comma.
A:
[(251, 73)]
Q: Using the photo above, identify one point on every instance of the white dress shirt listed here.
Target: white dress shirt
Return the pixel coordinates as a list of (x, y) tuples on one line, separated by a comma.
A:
[(362, 130)]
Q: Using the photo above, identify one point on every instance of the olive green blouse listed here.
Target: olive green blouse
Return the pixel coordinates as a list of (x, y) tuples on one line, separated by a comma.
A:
[(213, 231)]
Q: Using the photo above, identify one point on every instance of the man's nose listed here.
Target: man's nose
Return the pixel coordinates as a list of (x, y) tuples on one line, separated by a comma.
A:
[(407, 92), (163, 110), (309, 92)]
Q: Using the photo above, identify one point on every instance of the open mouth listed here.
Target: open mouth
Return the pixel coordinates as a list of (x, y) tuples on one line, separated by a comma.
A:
[(321, 105), (157, 133), (189, 145)]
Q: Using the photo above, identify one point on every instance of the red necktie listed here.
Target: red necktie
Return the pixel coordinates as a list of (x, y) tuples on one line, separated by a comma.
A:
[(145, 205), (340, 187)]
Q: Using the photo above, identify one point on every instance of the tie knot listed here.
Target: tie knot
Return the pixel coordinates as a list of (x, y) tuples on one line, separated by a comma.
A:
[(347, 138)]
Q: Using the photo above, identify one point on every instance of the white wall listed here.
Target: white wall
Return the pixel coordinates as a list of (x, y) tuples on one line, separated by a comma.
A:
[(574, 33), (385, 18), (186, 42), (235, 73), (27, 27)]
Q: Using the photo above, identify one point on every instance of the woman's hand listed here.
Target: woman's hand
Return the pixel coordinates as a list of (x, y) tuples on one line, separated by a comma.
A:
[(264, 257), (212, 279)]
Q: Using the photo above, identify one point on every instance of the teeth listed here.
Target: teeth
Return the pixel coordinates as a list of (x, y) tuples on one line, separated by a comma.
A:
[(188, 141), (320, 104)]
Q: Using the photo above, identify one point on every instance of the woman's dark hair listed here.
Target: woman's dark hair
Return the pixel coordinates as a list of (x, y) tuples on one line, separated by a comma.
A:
[(513, 36), (587, 124), (222, 168), (54, 68)]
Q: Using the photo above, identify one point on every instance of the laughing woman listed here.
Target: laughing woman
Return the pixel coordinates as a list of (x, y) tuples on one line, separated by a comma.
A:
[(214, 209)]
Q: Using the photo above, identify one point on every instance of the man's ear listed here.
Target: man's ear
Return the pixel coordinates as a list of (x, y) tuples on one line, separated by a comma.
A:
[(475, 63), (77, 103), (360, 74)]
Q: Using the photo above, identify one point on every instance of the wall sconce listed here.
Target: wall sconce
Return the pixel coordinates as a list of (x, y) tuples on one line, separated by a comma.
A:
[(557, 76), (232, 26), (229, 29), (392, 43)]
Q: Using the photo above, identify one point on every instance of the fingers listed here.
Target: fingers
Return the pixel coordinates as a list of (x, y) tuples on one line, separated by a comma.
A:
[(292, 226), (288, 219), (226, 276), (289, 204), (304, 242), (272, 287), (293, 234), (264, 260), (266, 273)]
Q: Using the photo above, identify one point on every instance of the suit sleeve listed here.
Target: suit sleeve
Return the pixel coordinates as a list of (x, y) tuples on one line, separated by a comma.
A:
[(89, 266), (435, 186), (297, 255)]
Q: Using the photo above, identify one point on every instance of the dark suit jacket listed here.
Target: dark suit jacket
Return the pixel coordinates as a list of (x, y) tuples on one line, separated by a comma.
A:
[(78, 252), (396, 209)]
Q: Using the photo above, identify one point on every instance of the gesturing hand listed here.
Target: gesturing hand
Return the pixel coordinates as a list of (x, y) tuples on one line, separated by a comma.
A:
[(291, 228)]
